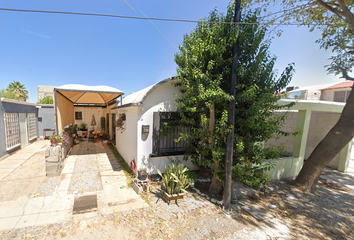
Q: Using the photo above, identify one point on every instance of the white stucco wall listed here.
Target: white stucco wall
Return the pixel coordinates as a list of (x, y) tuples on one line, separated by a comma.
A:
[(161, 99), (313, 95), (126, 142), (132, 144)]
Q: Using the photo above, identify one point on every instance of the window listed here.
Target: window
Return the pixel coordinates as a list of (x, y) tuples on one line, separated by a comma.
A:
[(78, 115), (341, 96), (165, 144), (12, 130)]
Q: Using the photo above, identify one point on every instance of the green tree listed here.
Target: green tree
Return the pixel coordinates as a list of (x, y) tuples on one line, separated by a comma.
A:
[(335, 20), (9, 94), (46, 100), (19, 89), (204, 70)]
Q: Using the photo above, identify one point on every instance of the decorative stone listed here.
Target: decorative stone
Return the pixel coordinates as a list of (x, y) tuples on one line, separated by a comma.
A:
[(53, 160)]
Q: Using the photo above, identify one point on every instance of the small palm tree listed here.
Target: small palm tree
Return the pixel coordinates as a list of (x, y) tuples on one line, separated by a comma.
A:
[(19, 89)]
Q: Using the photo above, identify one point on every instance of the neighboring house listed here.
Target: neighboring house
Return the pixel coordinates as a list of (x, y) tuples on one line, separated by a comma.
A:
[(312, 120), (145, 112), (325, 92), (44, 91), (306, 93), (22, 122), (338, 92)]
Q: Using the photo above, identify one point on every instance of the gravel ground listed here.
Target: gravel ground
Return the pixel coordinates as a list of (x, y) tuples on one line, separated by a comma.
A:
[(326, 215), (48, 186), (167, 212), (86, 175), (329, 214)]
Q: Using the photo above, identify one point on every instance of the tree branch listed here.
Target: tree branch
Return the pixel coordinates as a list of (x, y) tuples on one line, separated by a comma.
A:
[(347, 14), (345, 74), (339, 13)]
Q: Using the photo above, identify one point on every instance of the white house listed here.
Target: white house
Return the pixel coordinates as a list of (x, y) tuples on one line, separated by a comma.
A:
[(145, 112)]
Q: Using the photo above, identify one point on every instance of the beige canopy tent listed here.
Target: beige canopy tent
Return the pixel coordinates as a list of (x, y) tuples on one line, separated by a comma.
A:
[(67, 96)]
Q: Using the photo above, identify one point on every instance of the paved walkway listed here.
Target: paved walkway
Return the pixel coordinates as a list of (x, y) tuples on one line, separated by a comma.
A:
[(32, 210), (10, 163)]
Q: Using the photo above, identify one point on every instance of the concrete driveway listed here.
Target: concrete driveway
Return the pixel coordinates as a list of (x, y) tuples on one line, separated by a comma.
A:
[(90, 184)]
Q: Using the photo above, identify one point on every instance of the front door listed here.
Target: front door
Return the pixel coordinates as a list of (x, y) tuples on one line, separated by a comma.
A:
[(23, 129), (107, 122)]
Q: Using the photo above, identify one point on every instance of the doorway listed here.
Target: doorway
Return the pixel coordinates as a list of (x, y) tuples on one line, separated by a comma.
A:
[(23, 129), (114, 128)]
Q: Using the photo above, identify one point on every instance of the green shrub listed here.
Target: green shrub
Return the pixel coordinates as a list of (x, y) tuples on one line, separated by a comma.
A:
[(175, 179), (192, 178)]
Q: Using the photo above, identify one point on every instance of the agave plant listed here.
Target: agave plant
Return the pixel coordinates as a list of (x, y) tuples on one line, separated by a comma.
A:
[(175, 179)]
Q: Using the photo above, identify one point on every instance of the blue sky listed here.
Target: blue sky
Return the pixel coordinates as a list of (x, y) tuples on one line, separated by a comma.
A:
[(52, 49)]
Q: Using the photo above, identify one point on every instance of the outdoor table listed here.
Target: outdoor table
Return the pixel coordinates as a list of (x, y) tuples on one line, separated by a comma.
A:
[(47, 130)]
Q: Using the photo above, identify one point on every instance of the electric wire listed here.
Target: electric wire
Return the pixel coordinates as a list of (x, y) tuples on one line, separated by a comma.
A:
[(160, 19)]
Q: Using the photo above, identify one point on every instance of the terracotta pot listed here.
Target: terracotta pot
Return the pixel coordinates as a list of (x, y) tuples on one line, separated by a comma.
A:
[(97, 140), (54, 142)]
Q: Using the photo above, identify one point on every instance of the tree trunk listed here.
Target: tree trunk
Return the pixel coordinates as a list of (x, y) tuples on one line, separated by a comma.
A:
[(335, 140), (215, 186)]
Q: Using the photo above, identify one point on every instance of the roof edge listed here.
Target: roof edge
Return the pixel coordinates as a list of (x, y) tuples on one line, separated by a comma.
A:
[(156, 85)]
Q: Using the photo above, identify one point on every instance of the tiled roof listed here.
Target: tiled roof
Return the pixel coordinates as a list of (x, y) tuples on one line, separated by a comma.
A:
[(346, 84)]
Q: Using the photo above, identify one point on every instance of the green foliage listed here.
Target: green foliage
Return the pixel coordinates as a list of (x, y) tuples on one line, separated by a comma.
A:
[(10, 95), (175, 179), (19, 89), (192, 178), (46, 100), (204, 69), (83, 125)]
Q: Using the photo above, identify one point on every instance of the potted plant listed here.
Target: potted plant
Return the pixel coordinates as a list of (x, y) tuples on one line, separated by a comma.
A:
[(55, 139), (83, 126), (174, 182), (143, 175), (72, 130), (96, 136), (108, 138)]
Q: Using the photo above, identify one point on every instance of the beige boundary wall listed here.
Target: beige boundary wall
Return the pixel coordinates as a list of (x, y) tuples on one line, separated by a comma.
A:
[(320, 124), (287, 142), (313, 120), (65, 111)]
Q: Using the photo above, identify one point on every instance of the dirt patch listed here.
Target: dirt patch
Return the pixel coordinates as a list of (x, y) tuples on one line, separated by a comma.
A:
[(24, 180), (328, 214)]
